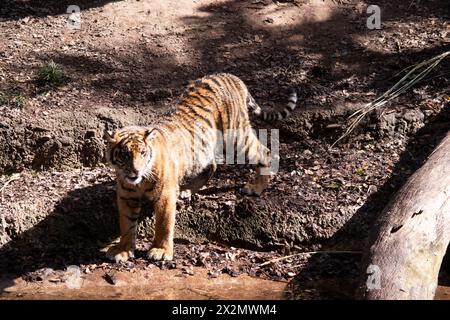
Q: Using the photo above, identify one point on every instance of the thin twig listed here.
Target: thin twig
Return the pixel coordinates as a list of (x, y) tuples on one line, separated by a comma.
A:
[(407, 81), (306, 253), (434, 77), (11, 179)]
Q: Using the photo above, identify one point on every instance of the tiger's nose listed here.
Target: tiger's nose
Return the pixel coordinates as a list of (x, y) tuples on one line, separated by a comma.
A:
[(133, 175)]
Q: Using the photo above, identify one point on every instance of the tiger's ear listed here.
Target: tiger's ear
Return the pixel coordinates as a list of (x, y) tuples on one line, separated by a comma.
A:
[(149, 134), (108, 136)]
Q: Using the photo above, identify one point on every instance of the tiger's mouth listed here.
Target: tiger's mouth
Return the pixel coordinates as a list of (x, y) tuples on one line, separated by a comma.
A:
[(133, 179)]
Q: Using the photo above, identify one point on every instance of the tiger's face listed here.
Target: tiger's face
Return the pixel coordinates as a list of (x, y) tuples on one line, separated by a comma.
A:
[(130, 153)]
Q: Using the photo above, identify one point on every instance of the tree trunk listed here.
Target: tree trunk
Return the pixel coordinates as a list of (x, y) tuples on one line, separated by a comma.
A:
[(411, 236)]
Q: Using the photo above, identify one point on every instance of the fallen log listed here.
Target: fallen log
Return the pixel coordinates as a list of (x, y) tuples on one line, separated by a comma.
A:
[(411, 236)]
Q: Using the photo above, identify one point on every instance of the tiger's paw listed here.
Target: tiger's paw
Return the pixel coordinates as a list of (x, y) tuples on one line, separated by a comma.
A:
[(251, 190), (157, 254), (117, 254), (186, 194)]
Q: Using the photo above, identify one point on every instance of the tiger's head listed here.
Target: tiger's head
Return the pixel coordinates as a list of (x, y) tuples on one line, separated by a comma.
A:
[(130, 152)]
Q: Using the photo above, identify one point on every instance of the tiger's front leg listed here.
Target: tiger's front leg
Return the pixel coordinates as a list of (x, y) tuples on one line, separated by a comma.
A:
[(129, 205), (165, 207)]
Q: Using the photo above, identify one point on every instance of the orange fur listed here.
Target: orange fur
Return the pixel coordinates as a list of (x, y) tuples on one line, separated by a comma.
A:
[(177, 154)]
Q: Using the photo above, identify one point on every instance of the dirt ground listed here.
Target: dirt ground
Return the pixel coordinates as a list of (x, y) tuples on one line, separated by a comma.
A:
[(146, 284), (129, 62)]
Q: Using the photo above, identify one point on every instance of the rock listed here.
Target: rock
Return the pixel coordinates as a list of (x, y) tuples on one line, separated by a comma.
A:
[(46, 272), (387, 123), (92, 152), (400, 121), (413, 115), (66, 141)]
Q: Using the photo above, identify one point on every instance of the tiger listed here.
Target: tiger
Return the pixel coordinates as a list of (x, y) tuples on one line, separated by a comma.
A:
[(176, 155)]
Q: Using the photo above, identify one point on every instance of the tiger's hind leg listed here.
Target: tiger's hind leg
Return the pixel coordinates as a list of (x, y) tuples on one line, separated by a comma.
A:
[(259, 155)]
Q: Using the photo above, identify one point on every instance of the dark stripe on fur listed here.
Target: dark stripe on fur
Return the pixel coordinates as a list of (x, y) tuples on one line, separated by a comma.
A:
[(199, 102), (273, 115), (127, 189), (206, 85), (201, 117), (209, 100)]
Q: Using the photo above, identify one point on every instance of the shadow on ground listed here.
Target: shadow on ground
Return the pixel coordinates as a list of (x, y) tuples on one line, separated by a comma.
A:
[(72, 234), (321, 58), (18, 9), (268, 60), (344, 268)]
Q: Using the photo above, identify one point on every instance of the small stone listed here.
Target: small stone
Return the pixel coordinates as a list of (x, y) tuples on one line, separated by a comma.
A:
[(291, 274), (65, 141), (47, 271), (372, 189)]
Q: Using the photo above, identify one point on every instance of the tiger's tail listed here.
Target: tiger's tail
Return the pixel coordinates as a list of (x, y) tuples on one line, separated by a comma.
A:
[(273, 115)]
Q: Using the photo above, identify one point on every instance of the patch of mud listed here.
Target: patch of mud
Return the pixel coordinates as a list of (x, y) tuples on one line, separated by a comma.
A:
[(141, 281), (142, 285)]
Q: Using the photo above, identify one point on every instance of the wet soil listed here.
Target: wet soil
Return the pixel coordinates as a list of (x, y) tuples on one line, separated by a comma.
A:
[(153, 283), (149, 284)]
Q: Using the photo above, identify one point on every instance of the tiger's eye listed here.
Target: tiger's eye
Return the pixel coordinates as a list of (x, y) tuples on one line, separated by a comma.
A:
[(124, 154)]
